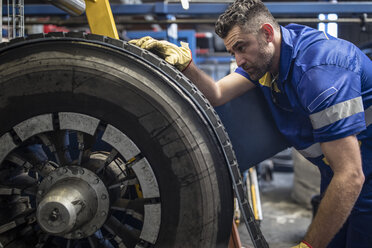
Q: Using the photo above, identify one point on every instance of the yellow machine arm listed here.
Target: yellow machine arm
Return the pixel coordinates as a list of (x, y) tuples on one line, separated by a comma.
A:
[(100, 18)]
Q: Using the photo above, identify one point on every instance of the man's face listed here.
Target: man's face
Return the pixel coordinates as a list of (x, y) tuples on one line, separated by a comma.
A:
[(251, 52)]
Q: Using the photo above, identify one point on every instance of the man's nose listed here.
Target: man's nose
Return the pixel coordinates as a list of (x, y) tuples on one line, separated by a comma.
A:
[(239, 60)]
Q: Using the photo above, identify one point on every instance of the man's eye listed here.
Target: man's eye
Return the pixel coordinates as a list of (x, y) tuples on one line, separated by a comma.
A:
[(241, 48)]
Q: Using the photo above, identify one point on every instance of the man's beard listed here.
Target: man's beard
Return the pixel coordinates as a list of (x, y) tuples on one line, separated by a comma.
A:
[(264, 62)]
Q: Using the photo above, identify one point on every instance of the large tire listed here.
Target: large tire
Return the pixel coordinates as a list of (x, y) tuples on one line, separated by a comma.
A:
[(148, 122)]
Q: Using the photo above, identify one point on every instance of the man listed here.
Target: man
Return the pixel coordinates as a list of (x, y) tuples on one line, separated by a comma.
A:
[(319, 90)]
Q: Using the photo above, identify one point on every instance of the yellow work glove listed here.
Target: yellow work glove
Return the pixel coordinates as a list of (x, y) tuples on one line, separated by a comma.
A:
[(303, 244), (180, 57)]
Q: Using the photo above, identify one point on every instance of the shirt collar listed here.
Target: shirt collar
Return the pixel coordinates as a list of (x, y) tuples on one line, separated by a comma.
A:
[(286, 51)]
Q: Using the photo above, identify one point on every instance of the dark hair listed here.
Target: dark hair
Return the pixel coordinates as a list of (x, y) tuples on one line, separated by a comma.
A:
[(247, 14)]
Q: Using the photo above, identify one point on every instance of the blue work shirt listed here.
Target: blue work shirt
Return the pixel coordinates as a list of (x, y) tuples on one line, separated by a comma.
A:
[(323, 93)]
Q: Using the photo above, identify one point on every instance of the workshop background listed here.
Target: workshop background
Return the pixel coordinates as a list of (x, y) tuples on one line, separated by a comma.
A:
[(283, 190)]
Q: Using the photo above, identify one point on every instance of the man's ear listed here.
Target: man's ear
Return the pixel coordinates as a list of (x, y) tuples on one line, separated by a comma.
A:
[(268, 31)]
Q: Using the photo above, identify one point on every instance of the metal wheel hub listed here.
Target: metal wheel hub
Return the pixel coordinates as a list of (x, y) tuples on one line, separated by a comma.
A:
[(86, 184), (72, 202)]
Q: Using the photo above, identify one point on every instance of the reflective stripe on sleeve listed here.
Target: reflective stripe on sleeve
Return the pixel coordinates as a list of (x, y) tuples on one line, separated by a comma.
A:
[(312, 151), (368, 116), (337, 112)]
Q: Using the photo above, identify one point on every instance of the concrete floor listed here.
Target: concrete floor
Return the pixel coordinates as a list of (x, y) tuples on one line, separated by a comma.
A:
[(284, 221)]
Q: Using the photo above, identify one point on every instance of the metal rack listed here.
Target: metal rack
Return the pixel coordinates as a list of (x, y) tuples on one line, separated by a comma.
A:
[(208, 9), (15, 18), (207, 13)]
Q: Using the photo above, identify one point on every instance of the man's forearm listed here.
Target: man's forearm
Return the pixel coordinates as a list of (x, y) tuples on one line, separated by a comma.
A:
[(225, 89), (334, 209), (204, 83), (219, 93)]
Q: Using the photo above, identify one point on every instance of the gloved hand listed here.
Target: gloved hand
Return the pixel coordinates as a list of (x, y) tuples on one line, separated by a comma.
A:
[(180, 57), (303, 244)]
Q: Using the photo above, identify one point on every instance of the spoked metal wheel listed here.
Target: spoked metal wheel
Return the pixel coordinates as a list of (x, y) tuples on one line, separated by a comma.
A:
[(63, 193), (102, 144)]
